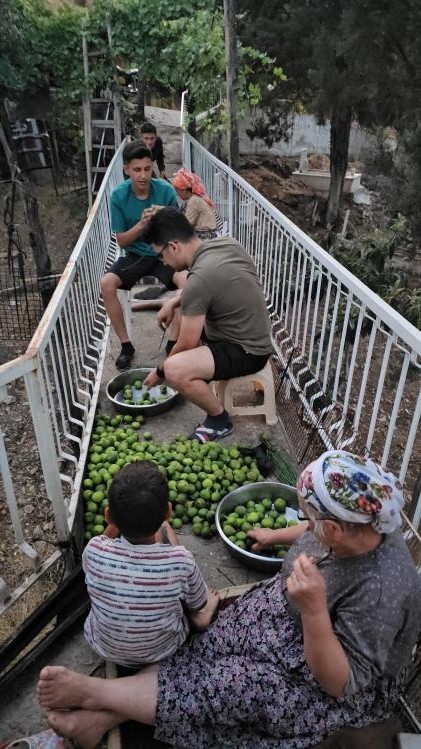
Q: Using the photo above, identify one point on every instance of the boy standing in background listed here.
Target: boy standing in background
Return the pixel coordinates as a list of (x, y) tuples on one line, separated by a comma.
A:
[(149, 136)]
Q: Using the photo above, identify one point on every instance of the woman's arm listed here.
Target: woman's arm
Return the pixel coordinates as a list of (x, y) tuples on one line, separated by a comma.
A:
[(325, 656), (265, 537)]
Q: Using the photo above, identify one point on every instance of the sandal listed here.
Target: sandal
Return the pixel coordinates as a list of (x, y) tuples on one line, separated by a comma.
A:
[(44, 740), (206, 434)]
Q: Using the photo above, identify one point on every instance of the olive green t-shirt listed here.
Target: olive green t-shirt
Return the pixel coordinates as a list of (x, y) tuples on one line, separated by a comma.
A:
[(222, 284)]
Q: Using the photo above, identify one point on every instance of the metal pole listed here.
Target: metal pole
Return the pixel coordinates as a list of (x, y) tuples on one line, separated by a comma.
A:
[(14, 509), (87, 127), (47, 451), (116, 101), (232, 82)]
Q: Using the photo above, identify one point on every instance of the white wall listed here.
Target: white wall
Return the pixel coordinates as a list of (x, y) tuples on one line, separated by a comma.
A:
[(306, 133)]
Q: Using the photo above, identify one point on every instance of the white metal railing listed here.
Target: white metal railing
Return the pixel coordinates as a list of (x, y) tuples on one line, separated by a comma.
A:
[(56, 382), (353, 362)]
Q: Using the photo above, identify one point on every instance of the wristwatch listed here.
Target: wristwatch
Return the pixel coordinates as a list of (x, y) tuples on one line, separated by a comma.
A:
[(160, 372)]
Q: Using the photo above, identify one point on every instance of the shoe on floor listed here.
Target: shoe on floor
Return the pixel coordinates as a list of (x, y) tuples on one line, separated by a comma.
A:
[(206, 434), (124, 359), (44, 740), (153, 293)]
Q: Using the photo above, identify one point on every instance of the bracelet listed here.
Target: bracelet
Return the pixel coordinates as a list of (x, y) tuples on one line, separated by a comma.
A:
[(160, 372)]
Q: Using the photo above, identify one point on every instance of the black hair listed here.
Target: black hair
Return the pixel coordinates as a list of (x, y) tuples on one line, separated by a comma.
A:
[(147, 127), (138, 499), (168, 225), (136, 150)]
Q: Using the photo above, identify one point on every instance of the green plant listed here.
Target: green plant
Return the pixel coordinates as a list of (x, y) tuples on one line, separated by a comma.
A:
[(370, 258), (412, 307)]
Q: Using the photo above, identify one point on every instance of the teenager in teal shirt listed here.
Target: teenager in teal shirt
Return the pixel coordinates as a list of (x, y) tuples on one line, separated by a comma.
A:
[(133, 203)]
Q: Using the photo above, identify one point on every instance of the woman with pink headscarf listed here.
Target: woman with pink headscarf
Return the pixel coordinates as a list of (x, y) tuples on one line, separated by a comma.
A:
[(325, 644), (199, 208)]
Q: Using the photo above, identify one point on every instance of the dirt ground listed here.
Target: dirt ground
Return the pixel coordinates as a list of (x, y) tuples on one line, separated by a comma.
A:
[(62, 218), (270, 175)]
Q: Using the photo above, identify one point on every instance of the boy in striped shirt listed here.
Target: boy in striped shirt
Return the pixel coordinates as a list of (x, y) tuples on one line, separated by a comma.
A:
[(144, 592)]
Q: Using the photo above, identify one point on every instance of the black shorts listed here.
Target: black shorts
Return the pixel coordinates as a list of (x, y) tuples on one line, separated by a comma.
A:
[(232, 361), (130, 268)]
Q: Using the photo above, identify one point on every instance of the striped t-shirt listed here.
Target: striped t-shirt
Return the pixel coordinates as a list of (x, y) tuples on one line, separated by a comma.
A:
[(137, 596)]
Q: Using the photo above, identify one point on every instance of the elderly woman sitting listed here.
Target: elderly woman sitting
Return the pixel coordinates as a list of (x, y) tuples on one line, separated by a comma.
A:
[(199, 208), (288, 663)]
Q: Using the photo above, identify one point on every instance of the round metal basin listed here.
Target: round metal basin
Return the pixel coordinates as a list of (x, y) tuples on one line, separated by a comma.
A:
[(115, 390), (257, 491)]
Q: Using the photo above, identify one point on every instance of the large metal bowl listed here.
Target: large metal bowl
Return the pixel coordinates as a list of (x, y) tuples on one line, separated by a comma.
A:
[(117, 384), (257, 491)]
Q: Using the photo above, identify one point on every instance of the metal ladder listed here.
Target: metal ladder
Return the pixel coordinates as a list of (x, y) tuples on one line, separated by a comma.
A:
[(101, 118)]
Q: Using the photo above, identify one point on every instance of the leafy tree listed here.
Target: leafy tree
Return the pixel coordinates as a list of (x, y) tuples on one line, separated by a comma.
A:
[(343, 60), (19, 59), (60, 43), (172, 44), (19, 55), (41, 51), (181, 45)]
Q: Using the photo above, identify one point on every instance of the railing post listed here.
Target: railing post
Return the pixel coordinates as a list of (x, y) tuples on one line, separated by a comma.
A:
[(13, 508), (187, 160), (185, 138), (47, 450), (230, 206)]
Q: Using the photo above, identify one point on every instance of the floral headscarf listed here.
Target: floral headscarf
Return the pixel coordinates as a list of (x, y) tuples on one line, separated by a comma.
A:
[(354, 489), (184, 180)]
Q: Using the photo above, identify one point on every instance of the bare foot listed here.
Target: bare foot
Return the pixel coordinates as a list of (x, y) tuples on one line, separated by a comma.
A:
[(85, 727), (147, 304), (63, 689), (201, 619)]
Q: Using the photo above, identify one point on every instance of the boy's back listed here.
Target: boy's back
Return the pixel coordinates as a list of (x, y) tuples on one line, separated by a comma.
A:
[(137, 594)]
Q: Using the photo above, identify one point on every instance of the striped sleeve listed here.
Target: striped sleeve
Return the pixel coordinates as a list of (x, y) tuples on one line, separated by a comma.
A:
[(196, 589)]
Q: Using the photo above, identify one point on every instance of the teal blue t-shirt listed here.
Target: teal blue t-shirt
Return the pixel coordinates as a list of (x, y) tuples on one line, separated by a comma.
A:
[(127, 209)]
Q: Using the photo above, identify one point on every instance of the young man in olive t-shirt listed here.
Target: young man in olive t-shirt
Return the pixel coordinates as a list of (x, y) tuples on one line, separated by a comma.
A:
[(222, 306)]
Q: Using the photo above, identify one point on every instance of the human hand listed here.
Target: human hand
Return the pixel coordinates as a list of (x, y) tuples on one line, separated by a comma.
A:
[(148, 213), (263, 538), (152, 379), (306, 587), (165, 315)]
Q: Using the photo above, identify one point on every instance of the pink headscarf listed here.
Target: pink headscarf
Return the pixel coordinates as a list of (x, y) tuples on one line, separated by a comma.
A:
[(354, 489), (184, 180)]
